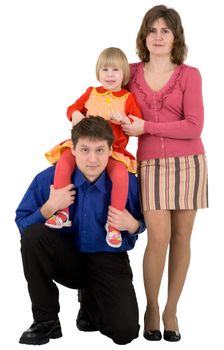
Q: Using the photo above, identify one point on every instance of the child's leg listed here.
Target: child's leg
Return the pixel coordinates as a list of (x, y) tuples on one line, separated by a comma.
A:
[(64, 169), (62, 177), (118, 174)]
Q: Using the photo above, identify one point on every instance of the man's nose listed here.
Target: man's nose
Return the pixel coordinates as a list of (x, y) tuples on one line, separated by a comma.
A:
[(92, 157)]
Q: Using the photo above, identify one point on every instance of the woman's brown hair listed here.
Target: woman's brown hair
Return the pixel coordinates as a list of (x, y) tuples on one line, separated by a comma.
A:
[(173, 22)]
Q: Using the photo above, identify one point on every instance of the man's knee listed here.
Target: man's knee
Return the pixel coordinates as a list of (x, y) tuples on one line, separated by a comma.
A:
[(121, 330), (125, 334)]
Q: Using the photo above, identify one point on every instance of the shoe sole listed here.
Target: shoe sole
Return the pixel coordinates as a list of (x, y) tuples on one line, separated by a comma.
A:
[(85, 328), (68, 224), (113, 245), (56, 334)]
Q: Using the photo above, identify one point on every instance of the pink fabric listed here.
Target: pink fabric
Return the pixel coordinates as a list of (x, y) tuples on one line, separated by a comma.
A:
[(173, 115)]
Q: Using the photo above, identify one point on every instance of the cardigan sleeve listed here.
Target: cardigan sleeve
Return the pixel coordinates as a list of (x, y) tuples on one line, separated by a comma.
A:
[(191, 125), (79, 104)]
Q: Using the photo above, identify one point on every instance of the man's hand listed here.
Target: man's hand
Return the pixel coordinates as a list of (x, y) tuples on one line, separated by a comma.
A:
[(122, 220), (58, 199)]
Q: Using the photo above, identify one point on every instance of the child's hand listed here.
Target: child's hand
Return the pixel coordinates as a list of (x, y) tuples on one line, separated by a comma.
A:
[(77, 117), (117, 118)]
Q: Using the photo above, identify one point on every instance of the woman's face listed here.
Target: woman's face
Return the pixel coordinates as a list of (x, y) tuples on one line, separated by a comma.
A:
[(160, 39)]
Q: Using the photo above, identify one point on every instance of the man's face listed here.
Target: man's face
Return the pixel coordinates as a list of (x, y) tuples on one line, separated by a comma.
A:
[(91, 157)]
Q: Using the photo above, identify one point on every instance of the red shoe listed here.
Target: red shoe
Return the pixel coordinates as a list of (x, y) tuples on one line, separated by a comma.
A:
[(59, 220), (113, 238)]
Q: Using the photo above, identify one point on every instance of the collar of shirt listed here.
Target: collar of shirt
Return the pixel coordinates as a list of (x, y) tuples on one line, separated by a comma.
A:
[(101, 91), (101, 183)]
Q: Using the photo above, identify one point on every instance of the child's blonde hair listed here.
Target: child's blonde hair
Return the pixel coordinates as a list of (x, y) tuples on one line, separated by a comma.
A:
[(114, 57)]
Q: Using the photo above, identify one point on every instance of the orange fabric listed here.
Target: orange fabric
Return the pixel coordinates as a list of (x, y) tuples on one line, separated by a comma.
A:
[(98, 101), (55, 154)]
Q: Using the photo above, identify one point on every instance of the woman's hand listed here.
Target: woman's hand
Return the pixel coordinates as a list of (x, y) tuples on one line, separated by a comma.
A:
[(136, 128)]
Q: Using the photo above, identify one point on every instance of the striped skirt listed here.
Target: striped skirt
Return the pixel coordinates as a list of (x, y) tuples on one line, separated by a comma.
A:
[(174, 183)]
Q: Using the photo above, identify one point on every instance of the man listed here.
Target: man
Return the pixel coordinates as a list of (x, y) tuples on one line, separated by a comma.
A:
[(78, 256)]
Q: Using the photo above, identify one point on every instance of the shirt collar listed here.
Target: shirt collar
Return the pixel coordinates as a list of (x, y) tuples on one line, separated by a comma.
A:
[(101, 183), (101, 91)]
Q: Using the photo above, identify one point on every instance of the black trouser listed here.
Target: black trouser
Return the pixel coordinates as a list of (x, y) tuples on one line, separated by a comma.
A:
[(109, 298)]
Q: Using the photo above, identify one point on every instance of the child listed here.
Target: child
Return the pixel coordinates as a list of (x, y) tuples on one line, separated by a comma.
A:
[(115, 104)]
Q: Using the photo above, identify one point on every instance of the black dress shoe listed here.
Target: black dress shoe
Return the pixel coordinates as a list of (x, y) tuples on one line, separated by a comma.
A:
[(154, 335), (171, 336), (83, 322), (41, 332)]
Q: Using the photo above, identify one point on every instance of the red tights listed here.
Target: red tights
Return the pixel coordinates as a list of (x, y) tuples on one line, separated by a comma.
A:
[(117, 172)]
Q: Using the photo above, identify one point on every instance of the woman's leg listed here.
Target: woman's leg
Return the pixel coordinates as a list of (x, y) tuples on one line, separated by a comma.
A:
[(179, 258), (158, 223)]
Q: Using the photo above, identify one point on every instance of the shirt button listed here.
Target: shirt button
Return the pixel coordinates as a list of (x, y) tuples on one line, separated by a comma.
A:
[(162, 146)]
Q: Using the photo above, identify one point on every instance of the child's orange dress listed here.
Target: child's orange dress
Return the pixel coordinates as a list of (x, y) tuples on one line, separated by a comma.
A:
[(101, 102)]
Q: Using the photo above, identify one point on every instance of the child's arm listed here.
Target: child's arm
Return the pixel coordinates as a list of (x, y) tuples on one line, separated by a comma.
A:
[(77, 117), (132, 108), (78, 106), (119, 118)]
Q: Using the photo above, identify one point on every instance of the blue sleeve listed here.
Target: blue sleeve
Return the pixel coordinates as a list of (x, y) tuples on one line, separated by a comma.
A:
[(28, 211), (133, 203)]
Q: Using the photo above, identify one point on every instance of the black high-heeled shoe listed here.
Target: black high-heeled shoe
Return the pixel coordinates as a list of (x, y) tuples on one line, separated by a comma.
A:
[(171, 335), (154, 335)]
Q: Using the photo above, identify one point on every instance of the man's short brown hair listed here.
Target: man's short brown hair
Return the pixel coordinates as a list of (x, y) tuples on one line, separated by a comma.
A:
[(94, 128)]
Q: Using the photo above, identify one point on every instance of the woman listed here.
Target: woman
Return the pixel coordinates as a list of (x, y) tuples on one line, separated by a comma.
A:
[(172, 162)]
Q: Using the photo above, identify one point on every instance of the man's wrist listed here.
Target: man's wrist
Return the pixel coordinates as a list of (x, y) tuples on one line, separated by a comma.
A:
[(134, 227), (47, 210)]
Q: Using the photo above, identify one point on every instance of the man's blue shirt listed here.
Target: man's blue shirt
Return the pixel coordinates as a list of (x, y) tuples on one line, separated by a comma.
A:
[(88, 213)]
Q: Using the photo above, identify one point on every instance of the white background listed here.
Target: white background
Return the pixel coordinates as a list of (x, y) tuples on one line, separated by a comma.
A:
[(48, 54)]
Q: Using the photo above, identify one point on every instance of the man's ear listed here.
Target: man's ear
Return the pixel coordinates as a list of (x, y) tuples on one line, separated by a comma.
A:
[(111, 150), (73, 151)]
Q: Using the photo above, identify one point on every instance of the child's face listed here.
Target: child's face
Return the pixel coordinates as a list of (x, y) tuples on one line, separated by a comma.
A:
[(111, 78)]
